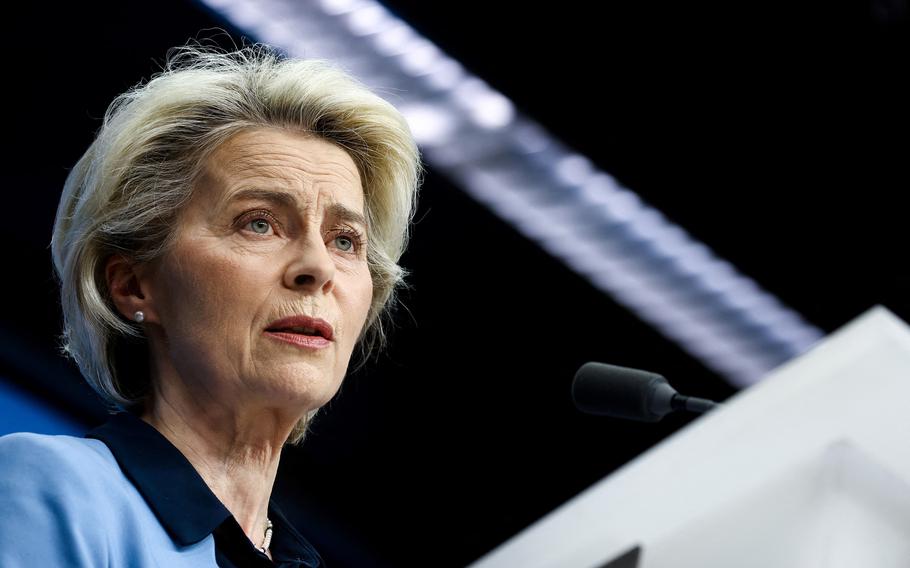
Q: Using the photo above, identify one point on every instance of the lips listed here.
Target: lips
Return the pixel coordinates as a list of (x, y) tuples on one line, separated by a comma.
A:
[(304, 326)]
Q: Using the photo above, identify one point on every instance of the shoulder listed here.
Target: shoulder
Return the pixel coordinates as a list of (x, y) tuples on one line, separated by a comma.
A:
[(49, 462), (72, 471), (58, 487), (25, 446)]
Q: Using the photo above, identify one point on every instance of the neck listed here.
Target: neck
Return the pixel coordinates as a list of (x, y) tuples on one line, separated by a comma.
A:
[(236, 453)]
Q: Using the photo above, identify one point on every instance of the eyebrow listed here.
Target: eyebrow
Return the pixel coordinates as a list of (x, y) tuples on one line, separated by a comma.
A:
[(286, 199)]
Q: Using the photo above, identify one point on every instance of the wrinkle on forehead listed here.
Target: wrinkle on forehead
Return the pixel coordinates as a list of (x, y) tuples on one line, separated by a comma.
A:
[(251, 153), (275, 156)]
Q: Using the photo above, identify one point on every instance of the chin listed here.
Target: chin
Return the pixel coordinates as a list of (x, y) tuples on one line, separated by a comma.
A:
[(307, 390)]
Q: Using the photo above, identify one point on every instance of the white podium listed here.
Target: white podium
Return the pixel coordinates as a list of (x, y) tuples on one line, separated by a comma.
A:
[(808, 469)]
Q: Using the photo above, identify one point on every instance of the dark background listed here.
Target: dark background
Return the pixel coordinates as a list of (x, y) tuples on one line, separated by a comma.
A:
[(777, 136)]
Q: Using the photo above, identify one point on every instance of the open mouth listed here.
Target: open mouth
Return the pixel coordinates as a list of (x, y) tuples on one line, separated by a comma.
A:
[(300, 330), (302, 326)]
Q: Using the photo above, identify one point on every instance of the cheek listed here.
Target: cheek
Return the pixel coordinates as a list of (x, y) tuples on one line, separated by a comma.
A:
[(357, 306), (364, 311), (207, 293), (365, 296)]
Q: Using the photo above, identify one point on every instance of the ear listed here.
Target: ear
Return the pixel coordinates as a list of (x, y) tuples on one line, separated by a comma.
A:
[(128, 288)]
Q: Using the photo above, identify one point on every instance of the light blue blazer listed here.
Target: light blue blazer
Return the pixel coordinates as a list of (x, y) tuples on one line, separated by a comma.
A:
[(64, 502)]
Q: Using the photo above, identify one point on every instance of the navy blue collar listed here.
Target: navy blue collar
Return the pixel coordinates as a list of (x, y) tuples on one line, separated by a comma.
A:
[(180, 498), (172, 487)]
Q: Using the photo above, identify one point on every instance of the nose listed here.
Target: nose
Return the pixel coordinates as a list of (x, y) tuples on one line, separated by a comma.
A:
[(312, 268)]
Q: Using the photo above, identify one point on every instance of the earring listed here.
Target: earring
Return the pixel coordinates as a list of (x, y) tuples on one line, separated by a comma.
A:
[(139, 317)]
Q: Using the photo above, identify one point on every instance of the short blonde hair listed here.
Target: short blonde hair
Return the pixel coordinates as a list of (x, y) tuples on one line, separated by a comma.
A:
[(124, 193)]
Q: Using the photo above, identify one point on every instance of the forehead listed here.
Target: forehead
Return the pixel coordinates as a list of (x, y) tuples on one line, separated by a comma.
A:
[(272, 159)]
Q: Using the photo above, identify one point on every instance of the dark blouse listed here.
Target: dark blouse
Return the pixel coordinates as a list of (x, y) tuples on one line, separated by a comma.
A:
[(187, 508)]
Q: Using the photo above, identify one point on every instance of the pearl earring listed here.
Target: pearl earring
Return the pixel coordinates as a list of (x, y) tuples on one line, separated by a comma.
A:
[(139, 317)]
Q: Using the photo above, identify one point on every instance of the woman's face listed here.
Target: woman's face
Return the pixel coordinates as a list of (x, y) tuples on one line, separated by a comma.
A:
[(275, 229)]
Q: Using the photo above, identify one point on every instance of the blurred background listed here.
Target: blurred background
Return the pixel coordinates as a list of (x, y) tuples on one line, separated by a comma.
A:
[(703, 191)]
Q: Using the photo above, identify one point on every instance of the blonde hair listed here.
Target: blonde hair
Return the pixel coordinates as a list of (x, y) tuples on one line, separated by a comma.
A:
[(124, 193)]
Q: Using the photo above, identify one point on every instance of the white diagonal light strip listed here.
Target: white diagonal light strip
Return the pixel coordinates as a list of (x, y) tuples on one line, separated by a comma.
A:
[(554, 196)]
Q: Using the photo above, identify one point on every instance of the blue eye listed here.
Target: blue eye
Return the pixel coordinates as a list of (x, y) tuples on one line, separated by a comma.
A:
[(348, 240), (260, 226)]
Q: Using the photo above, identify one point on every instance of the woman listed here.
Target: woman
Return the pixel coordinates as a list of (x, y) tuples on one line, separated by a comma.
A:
[(242, 216)]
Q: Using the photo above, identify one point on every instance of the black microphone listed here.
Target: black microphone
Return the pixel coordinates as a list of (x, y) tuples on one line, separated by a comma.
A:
[(621, 392)]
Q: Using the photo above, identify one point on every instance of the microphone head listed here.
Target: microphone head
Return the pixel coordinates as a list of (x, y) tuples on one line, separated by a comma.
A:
[(621, 392)]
